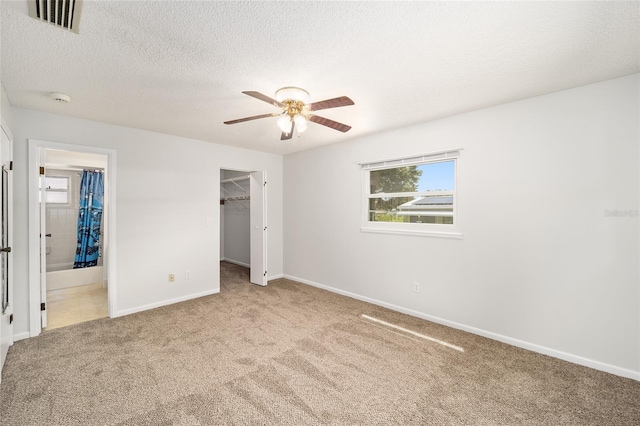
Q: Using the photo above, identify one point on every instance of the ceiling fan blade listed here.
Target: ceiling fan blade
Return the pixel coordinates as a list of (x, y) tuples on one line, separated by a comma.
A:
[(255, 117), (330, 123), (330, 103), (285, 136), (264, 98)]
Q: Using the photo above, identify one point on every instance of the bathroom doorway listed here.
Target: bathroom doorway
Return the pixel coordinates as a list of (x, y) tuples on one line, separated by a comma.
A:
[(74, 202), (71, 234)]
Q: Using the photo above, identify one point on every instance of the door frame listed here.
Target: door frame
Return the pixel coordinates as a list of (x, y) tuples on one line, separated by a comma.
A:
[(258, 227), (7, 316), (35, 145)]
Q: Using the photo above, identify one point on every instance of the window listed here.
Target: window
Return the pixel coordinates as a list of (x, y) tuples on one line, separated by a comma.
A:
[(56, 189), (414, 195)]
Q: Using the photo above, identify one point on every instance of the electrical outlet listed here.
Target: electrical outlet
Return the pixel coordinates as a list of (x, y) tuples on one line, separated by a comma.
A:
[(172, 278), (187, 274), (416, 287)]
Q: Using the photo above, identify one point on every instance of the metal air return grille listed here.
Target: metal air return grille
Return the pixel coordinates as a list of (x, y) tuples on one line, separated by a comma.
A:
[(61, 13)]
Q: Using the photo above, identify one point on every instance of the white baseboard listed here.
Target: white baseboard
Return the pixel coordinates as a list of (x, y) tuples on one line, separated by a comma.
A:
[(246, 265), (21, 336), (164, 303), (596, 365), (275, 277)]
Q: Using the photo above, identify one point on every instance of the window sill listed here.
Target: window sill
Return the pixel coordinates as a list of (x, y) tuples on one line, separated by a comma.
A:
[(433, 234)]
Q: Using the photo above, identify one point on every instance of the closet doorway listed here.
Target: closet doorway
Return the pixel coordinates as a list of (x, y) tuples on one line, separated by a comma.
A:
[(243, 221)]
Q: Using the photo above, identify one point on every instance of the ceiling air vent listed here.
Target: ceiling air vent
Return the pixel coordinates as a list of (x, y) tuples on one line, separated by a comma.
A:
[(61, 13)]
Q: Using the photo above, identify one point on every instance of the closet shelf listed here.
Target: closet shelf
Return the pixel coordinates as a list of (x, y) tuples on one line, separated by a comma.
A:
[(236, 198), (235, 179)]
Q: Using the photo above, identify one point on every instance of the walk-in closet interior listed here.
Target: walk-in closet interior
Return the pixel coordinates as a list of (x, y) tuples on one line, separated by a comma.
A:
[(235, 209)]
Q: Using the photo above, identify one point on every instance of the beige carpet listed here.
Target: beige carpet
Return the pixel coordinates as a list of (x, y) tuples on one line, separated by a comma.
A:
[(290, 354)]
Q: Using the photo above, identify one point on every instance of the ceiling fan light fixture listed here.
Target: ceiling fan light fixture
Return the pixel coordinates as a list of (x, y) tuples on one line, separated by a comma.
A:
[(292, 94), (300, 122), (284, 122)]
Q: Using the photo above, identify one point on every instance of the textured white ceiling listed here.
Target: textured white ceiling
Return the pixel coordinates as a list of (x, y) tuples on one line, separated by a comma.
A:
[(179, 67)]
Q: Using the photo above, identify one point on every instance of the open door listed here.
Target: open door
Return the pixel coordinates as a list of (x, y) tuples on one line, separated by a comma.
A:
[(258, 224), (43, 240), (6, 241)]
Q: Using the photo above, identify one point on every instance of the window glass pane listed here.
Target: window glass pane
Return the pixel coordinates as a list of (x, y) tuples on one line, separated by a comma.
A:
[(430, 209), (385, 209), (424, 177), (399, 179), (436, 176), (57, 197)]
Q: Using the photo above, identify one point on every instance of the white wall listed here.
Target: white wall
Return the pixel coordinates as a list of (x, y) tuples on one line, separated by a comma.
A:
[(540, 266), (6, 110), (167, 187), (237, 238)]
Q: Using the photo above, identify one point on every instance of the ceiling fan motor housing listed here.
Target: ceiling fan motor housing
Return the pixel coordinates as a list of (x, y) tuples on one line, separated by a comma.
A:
[(292, 107)]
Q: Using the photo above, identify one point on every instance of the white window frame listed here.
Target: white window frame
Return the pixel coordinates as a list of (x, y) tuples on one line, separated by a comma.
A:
[(420, 229)]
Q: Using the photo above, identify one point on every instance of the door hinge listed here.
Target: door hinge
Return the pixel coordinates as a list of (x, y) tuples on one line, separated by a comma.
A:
[(11, 319), (41, 171), (265, 183), (265, 273), (10, 165), (43, 306), (265, 228)]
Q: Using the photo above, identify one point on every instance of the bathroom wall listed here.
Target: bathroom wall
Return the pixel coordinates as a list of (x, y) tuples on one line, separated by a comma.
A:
[(62, 220)]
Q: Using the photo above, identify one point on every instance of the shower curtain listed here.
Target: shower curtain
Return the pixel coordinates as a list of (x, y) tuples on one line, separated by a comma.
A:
[(89, 218)]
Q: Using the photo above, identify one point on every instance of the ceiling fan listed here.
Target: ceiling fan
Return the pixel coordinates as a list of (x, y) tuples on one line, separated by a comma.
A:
[(297, 111)]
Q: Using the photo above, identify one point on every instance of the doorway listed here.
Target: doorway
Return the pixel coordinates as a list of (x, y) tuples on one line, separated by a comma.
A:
[(71, 234), (243, 222), (73, 185)]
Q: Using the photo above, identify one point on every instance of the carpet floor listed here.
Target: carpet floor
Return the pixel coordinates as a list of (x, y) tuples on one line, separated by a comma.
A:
[(291, 354)]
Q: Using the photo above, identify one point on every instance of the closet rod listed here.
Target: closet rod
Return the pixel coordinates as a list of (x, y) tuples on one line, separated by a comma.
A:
[(237, 198)]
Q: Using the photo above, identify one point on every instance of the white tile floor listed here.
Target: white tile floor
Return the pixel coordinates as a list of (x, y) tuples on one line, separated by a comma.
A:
[(75, 304)]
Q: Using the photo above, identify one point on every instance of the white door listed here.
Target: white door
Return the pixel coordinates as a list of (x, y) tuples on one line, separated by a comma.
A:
[(6, 242), (43, 240), (258, 224)]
